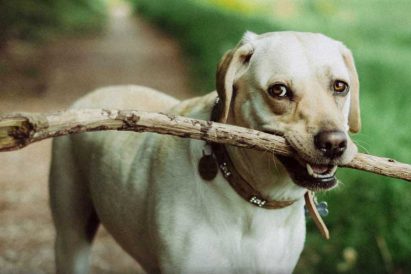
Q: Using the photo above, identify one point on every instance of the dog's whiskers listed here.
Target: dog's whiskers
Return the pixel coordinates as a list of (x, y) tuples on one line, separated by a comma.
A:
[(363, 147)]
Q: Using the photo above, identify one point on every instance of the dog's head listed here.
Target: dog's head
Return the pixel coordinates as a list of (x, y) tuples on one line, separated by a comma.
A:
[(303, 86)]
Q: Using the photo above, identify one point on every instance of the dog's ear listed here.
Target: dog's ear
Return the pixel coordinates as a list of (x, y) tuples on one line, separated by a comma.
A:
[(233, 64), (354, 118)]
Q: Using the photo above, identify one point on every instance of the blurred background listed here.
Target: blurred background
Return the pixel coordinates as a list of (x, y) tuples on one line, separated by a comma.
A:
[(53, 51)]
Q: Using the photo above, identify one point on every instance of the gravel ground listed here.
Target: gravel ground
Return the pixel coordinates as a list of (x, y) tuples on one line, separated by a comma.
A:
[(50, 77)]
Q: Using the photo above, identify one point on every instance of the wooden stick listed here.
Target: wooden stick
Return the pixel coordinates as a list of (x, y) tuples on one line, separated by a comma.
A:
[(20, 129)]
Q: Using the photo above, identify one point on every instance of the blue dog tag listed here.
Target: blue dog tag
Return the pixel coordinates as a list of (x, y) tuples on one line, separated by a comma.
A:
[(322, 208)]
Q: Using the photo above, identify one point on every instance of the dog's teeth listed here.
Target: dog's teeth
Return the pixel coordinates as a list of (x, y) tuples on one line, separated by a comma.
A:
[(323, 175), (310, 170)]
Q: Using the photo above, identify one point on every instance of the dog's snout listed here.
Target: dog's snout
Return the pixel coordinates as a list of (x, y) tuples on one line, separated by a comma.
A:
[(331, 143)]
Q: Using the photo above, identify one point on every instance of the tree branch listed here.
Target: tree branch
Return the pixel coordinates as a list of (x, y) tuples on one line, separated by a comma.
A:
[(18, 130)]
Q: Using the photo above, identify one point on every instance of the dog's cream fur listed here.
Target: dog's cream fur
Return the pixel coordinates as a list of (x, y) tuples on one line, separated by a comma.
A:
[(146, 190)]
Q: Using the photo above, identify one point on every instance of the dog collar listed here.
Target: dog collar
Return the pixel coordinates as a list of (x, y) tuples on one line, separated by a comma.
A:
[(208, 169), (239, 184)]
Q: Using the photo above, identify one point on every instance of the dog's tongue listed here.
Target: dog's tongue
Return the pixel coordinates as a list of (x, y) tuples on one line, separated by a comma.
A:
[(319, 169)]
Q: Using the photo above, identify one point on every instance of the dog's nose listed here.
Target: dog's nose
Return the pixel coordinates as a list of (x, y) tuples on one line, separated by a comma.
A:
[(331, 143)]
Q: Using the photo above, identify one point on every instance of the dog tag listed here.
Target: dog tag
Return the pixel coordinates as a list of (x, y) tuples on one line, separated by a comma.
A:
[(322, 208), (207, 166)]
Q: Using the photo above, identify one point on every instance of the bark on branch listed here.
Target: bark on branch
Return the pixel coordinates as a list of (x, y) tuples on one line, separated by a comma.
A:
[(17, 130)]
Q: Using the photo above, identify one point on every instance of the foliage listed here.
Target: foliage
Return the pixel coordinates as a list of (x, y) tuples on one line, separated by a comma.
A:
[(369, 221), (29, 19), (204, 31)]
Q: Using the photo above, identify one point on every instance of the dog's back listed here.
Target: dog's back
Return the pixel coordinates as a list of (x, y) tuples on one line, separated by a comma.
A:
[(127, 97)]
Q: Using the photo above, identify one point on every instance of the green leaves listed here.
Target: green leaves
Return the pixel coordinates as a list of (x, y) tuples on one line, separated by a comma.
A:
[(33, 20)]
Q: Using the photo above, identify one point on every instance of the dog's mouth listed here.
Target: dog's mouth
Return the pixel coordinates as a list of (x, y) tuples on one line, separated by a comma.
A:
[(315, 177)]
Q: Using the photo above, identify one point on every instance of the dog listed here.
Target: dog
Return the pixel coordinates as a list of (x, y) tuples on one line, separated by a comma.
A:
[(150, 194)]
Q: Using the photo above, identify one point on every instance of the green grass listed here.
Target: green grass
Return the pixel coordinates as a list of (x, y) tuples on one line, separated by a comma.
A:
[(369, 213)]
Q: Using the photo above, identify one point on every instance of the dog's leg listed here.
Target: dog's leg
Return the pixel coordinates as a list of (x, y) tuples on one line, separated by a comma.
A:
[(74, 217)]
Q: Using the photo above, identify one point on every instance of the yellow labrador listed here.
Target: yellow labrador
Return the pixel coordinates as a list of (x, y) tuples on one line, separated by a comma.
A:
[(147, 191)]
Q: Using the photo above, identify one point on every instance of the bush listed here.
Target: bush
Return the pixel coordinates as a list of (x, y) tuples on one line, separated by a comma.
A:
[(369, 222), (28, 19), (199, 27)]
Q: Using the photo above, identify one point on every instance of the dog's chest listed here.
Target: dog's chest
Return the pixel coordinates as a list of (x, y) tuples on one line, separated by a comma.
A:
[(254, 245)]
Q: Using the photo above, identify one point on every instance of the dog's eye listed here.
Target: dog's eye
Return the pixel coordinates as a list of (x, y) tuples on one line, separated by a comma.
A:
[(340, 87), (279, 90)]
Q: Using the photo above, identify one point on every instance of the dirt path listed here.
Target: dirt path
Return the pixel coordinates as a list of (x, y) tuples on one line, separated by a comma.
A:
[(51, 78)]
